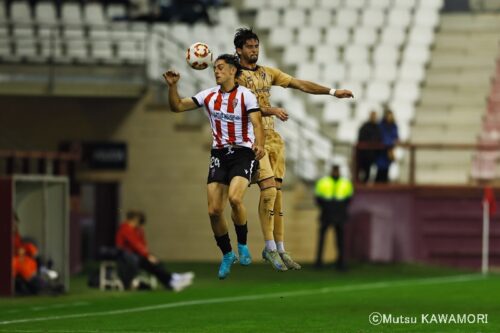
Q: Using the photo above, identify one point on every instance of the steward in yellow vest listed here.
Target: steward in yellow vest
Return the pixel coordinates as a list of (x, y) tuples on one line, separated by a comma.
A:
[(333, 195)]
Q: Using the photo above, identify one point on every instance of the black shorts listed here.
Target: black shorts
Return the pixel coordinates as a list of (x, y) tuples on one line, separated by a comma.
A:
[(227, 163)]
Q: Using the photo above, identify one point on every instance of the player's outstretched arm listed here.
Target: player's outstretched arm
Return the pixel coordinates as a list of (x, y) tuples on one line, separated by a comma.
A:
[(176, 103), (258, 128), (317, 89), (275, 111)]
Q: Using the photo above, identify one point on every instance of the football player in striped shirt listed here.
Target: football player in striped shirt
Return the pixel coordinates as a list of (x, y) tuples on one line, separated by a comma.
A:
[(238, 144), (260, 79)]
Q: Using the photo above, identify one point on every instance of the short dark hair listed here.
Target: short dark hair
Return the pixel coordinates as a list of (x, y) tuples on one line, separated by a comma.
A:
[(335, 168), (242, 35), (231, 60), (136, 214)]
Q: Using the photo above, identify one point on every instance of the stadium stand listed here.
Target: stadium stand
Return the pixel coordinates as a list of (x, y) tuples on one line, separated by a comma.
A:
[(485, 162), (454, 96), (72, 37), (379, 49)]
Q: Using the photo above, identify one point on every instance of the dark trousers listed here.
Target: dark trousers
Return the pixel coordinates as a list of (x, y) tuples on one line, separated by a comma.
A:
[(382, 176), (157, 270), (339, 234), (364, 171), (129, 265), (365, 161), (31, 287)]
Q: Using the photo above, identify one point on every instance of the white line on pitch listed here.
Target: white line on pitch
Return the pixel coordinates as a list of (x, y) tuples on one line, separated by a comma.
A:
[(365, 286), (57, 331), (49, 307), (56, 306), (73, 331)]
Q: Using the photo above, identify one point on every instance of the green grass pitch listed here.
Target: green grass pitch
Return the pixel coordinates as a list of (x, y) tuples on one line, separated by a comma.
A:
[(257, 299)]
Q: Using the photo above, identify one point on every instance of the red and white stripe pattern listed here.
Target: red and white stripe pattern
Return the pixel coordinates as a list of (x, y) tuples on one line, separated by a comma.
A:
[(228, 113)]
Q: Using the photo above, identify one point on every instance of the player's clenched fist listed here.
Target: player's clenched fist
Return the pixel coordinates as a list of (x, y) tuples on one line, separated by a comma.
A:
[(343, 93), (171, 77)]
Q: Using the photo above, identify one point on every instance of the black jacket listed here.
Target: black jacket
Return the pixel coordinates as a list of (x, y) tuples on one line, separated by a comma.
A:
[(369, 133), (333, 211)]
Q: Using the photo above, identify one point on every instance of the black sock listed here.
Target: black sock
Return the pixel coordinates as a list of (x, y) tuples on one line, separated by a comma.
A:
[(224, 243), (241, 233)]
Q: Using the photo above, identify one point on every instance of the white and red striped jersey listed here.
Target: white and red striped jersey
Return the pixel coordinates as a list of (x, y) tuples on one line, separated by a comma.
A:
[(228, 114)]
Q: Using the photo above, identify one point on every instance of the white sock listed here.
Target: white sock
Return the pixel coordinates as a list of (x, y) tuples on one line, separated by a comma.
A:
[(271, 245), (281, 247)]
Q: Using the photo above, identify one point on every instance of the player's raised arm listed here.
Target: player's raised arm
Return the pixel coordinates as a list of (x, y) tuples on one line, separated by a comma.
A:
[(176, 103), (317, 89), (258, 128)]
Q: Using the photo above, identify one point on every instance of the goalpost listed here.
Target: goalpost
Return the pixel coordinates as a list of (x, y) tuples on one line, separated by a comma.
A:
[(42, 205)]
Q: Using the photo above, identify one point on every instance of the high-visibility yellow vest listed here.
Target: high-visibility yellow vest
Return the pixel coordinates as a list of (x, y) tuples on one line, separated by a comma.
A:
[(330, 189)]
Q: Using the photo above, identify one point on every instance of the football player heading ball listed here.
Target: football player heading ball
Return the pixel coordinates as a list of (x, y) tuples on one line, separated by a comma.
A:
[(259, 80)]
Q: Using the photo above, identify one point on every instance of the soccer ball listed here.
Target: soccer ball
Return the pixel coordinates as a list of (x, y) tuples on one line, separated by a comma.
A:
[(199, 56)]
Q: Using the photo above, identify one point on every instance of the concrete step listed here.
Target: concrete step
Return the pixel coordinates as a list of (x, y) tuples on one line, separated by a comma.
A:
[(466, 72), (448, 97), (442, 176), (469, 23), (446, 128), (441, 134), (448, 77), (458, 110), (442, 158), (451, 22), (473, 84), (447, 117), (487, 49), (446, 60), (465, 41)]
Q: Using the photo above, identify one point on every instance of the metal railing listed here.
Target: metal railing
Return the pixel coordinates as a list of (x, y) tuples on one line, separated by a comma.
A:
[(413, 150), (38, 162)]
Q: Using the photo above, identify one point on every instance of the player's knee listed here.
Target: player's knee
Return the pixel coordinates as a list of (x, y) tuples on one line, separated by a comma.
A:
[(235, 201), (215, 212), (268, 196)]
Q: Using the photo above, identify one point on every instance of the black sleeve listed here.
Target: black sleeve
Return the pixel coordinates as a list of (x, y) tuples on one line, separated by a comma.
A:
[(362, 135), (321, 202), (196, 102), (253, 110)]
